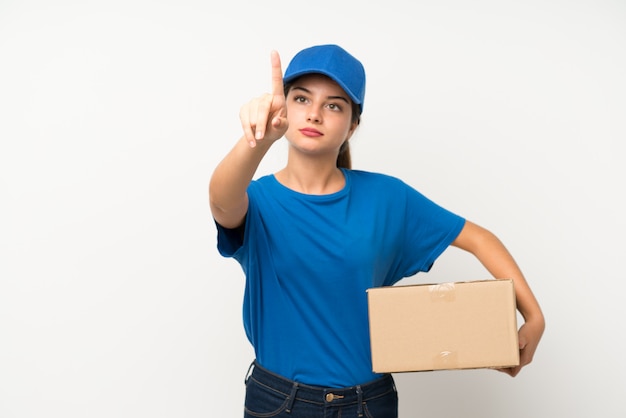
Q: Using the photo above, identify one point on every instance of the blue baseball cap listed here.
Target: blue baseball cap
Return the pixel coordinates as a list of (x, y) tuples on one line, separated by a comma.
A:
[(334, 62)]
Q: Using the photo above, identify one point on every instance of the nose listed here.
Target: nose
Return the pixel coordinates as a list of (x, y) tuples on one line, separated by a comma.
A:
[(314, 116)]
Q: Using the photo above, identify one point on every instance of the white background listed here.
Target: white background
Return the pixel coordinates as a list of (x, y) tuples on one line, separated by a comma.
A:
[(113, 299)]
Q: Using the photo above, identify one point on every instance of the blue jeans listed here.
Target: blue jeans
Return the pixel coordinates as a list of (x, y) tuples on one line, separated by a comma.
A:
[(270, 395)]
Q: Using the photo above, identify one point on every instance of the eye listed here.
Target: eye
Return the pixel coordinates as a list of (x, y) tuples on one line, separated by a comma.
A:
[(300, 99), (335, 107)]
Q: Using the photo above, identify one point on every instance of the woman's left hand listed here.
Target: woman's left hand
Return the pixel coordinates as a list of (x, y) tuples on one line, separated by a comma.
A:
[(529, 335)]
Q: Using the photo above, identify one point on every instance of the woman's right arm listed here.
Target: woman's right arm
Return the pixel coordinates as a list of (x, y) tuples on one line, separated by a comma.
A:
[(263, 121), (228, 186)]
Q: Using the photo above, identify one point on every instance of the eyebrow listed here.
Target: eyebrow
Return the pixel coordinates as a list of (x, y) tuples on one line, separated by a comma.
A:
[(329, 97)]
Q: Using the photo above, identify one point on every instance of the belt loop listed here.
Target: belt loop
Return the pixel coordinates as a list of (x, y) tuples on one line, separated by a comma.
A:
[(248, 374), (359, 393), (292, 397)]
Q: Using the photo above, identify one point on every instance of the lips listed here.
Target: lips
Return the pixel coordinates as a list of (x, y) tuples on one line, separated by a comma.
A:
[(310, 132)]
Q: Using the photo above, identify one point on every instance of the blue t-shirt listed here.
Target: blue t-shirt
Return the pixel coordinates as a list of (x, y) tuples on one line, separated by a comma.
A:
[(309, 259)]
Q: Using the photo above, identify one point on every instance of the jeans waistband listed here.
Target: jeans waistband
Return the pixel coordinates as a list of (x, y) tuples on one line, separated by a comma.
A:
[(321, 395)]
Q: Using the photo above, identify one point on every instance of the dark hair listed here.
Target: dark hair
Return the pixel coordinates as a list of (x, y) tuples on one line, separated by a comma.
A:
[(344, 159)]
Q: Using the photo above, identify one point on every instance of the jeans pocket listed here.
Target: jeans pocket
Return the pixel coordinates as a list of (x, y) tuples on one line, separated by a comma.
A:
[(262, 401), (385, 406)]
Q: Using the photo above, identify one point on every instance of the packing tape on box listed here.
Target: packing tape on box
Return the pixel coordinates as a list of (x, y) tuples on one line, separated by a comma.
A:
[(446, 360), (442, 292)]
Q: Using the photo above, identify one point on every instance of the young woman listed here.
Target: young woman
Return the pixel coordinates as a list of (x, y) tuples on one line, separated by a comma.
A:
[(312, 237)]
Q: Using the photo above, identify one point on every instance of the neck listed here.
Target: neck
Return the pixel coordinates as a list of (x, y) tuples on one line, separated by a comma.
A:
[(312, 177)]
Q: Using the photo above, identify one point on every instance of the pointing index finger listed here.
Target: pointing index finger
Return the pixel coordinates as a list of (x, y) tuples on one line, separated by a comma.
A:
[(277, 74)]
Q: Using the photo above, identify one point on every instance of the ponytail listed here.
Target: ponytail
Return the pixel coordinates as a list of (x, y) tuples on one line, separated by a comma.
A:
[(344, 159)]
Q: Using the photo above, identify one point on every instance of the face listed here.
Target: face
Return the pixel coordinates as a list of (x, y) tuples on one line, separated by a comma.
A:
[(320, 115)]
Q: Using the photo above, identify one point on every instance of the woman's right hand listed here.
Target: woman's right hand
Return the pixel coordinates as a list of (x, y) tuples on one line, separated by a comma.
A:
[(265, 118)]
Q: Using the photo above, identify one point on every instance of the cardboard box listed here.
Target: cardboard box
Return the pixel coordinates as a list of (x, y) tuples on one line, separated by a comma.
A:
[(459, 325)]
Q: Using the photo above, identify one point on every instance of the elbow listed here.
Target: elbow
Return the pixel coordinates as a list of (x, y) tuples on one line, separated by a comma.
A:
[(228, 216)]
